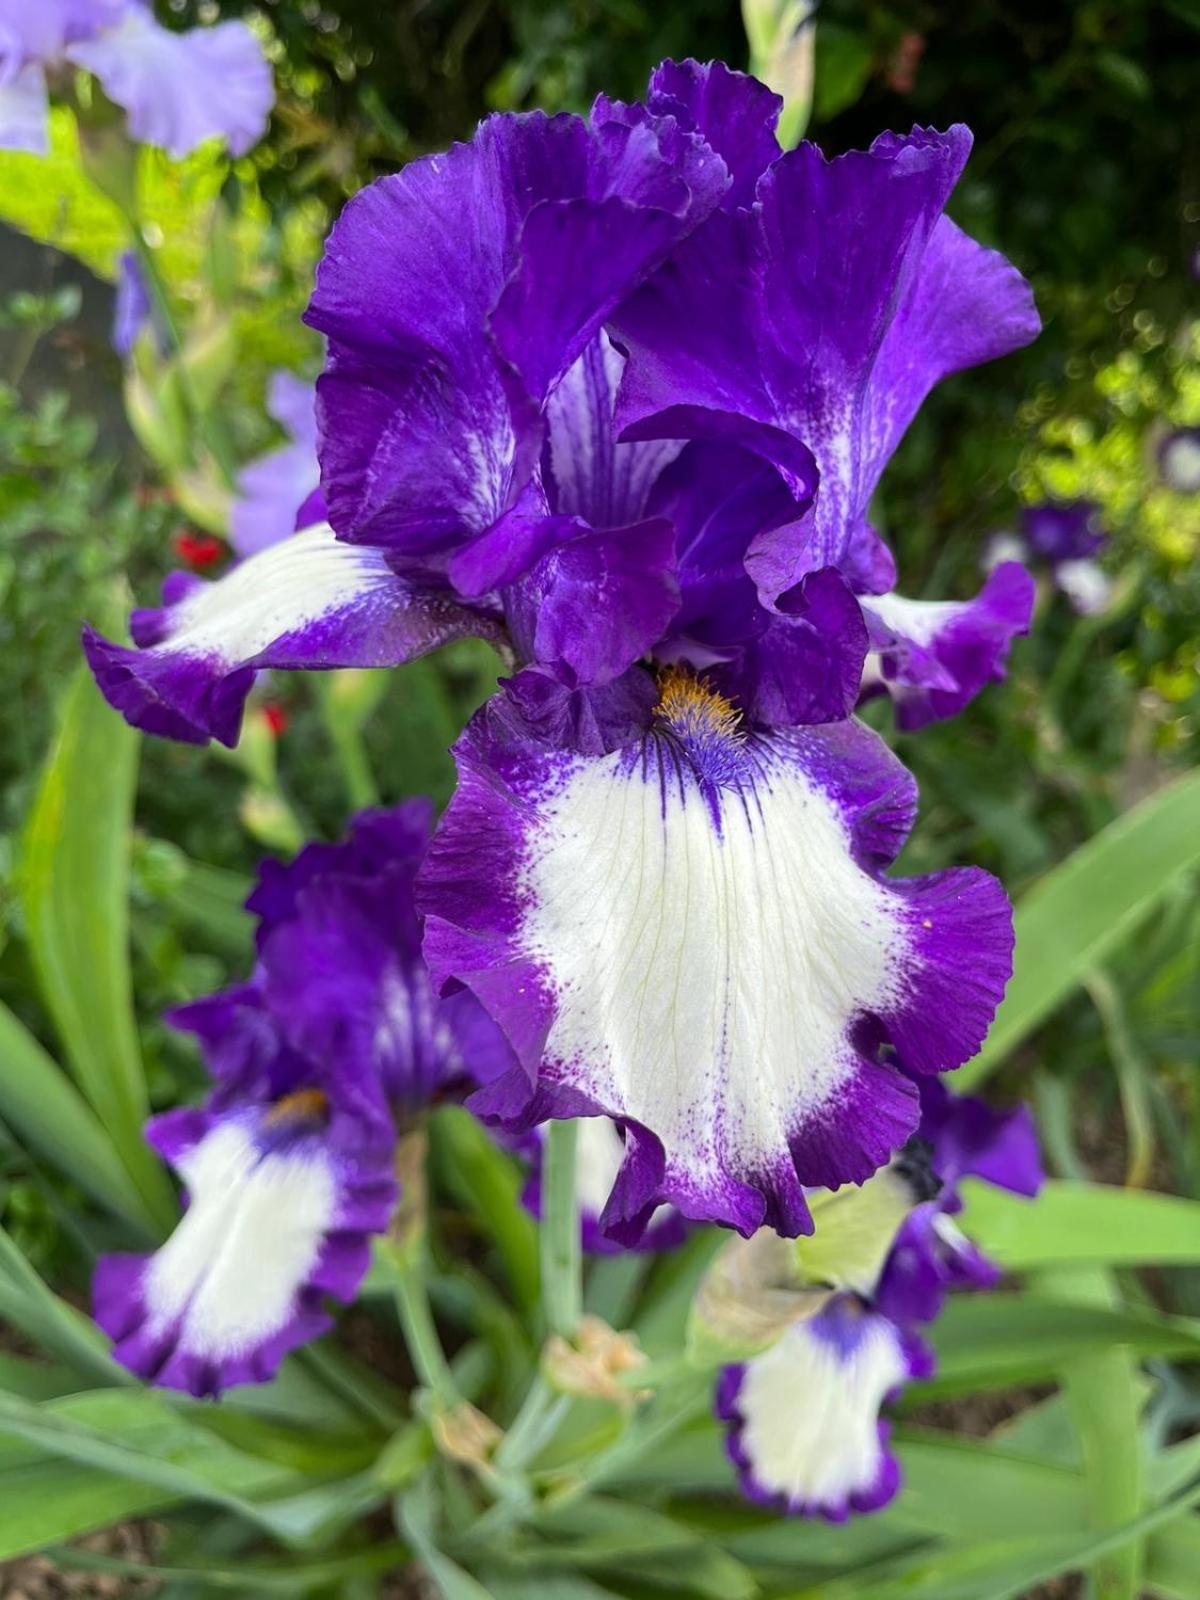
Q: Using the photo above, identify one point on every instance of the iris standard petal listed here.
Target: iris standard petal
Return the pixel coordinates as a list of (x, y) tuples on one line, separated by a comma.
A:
[(821, 318), (734, 114), (310, 602), (440, 356), (692, 935)]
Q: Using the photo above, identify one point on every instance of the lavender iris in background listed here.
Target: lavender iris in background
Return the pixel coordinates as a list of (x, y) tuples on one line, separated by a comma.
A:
[(176, 89)]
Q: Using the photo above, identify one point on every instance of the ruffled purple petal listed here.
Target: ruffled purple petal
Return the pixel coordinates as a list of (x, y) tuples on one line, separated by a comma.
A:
[(309, 603), (440, 357), (804, 1427), (597, 602), (179, 89), (592, 720), (600, 1150), (343, 971), (934, 656), (821, 318), (969, 1139), (709, 897), (734, 114)]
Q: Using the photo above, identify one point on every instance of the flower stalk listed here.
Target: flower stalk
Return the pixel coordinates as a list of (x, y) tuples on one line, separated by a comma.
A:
[(562, 1292)]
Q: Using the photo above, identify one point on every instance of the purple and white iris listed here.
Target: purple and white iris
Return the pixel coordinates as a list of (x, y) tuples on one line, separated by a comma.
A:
[(176, 89), (804, 1426), (630, 434), (1063, 538), (334, 1044)]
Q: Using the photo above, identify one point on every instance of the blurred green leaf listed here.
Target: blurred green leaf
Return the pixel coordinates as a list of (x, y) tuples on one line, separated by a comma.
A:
[(74, 878), (994, 1341), (1086, 907), (45, 1498), (999, 1569), (415, 1519), (1174, 1560), (50, 1323), (1102, 1397), (47, 1112), (485, 1179), (247, 1577), (1082, 1222), (844, 61)]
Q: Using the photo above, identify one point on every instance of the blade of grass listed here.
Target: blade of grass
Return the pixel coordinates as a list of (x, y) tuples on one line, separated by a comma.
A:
[(1085, 908), (46, 1111), (74, 880)]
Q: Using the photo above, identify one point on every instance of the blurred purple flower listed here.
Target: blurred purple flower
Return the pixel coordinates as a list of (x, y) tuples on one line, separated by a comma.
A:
[(133, 308), (1065, 538), (278, 493), (177, 89)]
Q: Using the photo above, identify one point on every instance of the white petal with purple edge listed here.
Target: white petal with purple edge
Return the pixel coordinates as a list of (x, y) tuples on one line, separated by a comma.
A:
[(662, 935), (231, 1272), (691, 935), (308, 603), (806, 1414)]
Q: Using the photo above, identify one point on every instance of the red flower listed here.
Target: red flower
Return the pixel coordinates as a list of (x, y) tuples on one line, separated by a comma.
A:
[(277, 717), (199, 550)]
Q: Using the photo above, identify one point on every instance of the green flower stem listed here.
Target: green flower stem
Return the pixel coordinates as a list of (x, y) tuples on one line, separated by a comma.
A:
[(534, 1425), (206, 421), (420, 1334), (346, 739), (562, 1261)]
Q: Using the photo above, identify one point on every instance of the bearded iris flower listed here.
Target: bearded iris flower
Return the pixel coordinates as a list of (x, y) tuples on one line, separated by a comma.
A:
[(317, 1062), (630, 435), (1065, 539), (804, 1427), (176, 89)]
